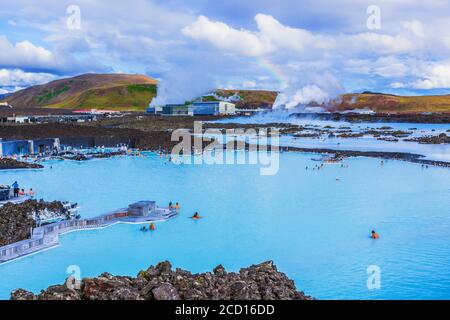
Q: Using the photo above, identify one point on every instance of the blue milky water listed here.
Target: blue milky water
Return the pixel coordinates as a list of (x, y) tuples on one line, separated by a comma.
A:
[(314, 227), (439, 152)]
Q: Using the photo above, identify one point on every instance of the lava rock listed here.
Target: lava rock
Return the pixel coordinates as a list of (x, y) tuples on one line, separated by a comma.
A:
[(160, 282), (9, 163), (17, 220)]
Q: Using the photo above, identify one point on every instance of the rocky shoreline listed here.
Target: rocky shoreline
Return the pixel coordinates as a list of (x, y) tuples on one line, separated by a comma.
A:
[(17, 220), (402, 156), (160, 282), (9, 163)]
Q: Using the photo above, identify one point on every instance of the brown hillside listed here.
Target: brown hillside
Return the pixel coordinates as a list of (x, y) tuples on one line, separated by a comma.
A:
[(101, 91), (251, 99), (386, 103)]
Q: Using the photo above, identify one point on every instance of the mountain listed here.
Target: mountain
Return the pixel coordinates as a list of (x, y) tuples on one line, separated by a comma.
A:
[(89, 91), (249, 99), (134, 93), (386, 103), (4, 95)]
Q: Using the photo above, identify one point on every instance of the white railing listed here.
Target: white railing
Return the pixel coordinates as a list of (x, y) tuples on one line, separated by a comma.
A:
[(48, 236)]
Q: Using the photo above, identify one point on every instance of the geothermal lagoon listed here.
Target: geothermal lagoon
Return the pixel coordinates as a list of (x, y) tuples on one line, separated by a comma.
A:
[(314, 224)]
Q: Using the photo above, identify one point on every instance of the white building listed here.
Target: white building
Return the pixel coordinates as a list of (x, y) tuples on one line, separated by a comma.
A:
[(5, 104)]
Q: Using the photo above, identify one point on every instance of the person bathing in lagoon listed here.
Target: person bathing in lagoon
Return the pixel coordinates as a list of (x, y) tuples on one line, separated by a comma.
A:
[(170, 206), (21, 192), (196, 216), (177, 206), (374, 235), (31, 192)]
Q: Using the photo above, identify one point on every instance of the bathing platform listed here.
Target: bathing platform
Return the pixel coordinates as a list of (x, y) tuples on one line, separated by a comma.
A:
[(47, 236), (17, 200)]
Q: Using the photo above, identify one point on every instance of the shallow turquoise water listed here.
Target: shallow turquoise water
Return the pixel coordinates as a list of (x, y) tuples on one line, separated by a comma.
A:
[(314, 227), (439, 152)]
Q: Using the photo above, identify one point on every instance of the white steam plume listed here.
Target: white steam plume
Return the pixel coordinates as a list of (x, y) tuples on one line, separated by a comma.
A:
[(179, 86), (299, 93)]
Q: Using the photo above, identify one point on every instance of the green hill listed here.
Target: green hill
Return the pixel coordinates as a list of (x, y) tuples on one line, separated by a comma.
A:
[(89, 91), (250, 99)]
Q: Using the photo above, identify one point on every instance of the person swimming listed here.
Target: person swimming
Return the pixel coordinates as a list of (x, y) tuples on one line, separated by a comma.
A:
[(143, 229), (177, 206), (196, 216), (170, 205), (374, 235), (152, 227)]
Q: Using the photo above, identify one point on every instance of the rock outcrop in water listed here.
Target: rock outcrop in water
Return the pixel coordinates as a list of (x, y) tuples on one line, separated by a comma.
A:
[(8, 163), (17, 220), (439, 139), (160, 282)]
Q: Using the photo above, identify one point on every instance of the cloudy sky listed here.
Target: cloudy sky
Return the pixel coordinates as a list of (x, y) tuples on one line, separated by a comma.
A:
[(306, 48)]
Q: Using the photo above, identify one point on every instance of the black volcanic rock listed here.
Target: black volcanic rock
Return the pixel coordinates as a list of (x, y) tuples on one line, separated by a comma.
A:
[(8, 163), (160, 282), (16, 220)]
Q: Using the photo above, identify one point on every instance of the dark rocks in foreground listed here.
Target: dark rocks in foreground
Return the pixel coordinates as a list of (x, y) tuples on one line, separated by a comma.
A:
[(9, 163), (160, 282)]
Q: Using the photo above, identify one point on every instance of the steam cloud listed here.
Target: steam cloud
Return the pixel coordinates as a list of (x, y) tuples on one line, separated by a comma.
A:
[(182, 85), (299, 93)]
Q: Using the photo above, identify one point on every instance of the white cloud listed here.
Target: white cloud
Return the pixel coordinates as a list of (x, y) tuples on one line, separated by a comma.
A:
[(296, 38), (17, 77), (284, 37), (415, 27), (397, 85), (23, 54), (436, 76), (272, 36), (225, 37), (390, 67), (370, 42)]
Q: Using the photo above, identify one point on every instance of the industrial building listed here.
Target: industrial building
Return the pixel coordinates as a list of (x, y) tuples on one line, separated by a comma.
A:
[(5, 105), (48, 118), (214, 108), (177, 110), (26, 147), (210, 108)]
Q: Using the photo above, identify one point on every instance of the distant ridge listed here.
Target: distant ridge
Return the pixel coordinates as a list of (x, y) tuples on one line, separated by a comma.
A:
[(126, 92), (89, 91), (389, 103)]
